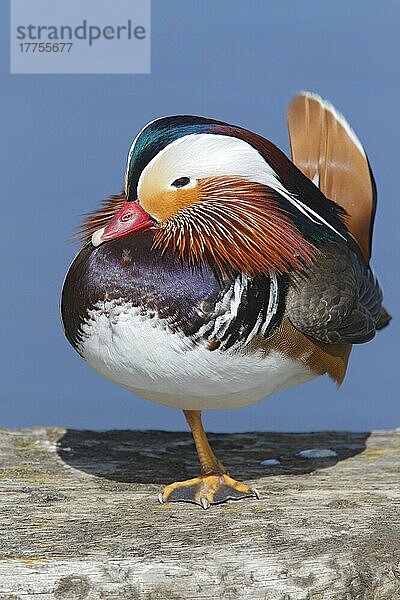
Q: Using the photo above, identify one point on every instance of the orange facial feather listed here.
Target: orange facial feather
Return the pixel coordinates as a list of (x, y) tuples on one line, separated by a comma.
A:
[(238, 225)]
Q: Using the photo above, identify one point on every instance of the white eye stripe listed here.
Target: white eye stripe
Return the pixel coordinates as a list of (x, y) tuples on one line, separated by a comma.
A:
[(203, 155), (207, 155)]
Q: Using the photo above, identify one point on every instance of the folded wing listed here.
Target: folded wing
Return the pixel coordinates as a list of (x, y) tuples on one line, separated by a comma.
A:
[(337, 300)]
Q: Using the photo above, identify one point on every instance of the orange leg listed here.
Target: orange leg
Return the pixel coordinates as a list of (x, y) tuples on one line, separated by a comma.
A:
[(209, 464), (214, 485)]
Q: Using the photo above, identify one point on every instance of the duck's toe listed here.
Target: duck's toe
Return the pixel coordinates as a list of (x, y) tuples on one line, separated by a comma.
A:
[(206, 490)]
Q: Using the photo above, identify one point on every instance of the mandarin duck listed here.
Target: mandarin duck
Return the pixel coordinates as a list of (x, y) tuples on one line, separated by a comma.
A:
[(225, 271)]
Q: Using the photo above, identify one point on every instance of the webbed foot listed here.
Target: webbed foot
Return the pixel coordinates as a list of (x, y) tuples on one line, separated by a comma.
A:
[(206, 490)]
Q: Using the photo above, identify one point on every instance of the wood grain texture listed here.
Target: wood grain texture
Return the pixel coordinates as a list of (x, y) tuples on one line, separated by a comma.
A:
[(80, 518)]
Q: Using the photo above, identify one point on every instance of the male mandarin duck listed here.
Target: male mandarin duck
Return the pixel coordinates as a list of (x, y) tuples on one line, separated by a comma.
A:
[(226, 272)]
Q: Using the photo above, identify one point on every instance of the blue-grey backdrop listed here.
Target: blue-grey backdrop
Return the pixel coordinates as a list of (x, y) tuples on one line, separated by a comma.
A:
[(64, 144)]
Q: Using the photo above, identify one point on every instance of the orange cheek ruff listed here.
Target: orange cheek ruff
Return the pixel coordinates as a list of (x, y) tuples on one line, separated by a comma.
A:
[(163, 205), (238, 226)]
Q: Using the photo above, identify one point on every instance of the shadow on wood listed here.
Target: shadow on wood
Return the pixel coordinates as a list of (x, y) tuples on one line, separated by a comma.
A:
[(161, 457), (80, 518)]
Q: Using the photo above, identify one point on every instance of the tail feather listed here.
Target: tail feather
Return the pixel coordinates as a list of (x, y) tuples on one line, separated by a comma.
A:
[(327, 151)]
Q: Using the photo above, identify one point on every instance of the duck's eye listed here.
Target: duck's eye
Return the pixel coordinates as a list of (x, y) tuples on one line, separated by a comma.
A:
[(181, 182)]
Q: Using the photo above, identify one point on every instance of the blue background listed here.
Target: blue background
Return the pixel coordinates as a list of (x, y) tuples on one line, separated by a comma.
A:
[(63, 148)]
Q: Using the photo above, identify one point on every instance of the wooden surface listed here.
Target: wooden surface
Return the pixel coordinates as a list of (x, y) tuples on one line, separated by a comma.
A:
[(80, 518)]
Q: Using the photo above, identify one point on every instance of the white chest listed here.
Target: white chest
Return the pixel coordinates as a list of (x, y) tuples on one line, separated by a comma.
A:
[(142, 355)]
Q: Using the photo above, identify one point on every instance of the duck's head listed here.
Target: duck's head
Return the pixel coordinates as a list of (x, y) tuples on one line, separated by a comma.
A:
[(212, 192)]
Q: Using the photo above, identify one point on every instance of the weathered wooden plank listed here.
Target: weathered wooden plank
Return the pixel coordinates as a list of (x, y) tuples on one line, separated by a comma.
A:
[(80, 518)]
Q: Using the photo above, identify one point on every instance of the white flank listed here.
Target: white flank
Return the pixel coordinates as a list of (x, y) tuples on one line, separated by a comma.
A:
[(143, 356)]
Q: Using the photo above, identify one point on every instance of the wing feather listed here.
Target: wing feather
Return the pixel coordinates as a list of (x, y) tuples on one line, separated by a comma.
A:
[(327, 151), (336, 300)]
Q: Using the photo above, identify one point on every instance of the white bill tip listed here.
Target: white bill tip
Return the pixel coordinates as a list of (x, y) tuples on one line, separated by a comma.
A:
[(96, 237)]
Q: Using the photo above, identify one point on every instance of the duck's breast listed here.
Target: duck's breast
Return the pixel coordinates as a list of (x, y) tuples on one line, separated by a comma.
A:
[(137, 316)]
